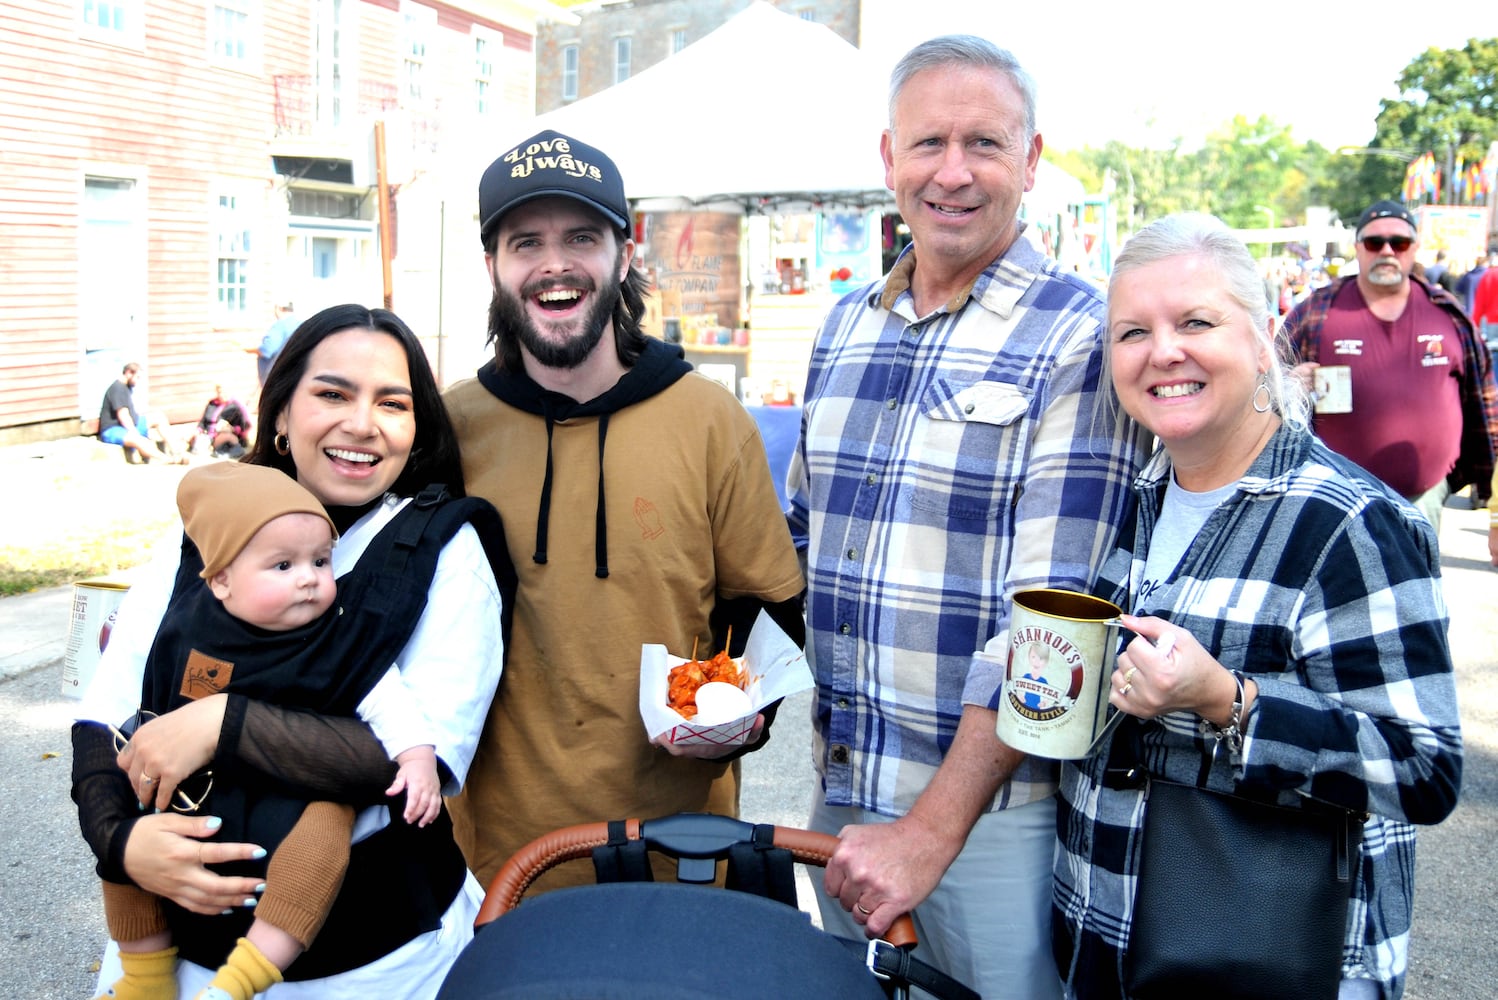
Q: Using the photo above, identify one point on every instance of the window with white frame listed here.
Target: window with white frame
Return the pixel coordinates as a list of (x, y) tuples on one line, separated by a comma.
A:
[(621, 59), (484, 47), (231, 32), (678, 40), (233, 222), (118, 21), (569, 72), (419, 24), (806, 13)]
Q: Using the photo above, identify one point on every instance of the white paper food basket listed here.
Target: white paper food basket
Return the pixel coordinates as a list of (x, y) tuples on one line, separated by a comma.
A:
[(775, 665)]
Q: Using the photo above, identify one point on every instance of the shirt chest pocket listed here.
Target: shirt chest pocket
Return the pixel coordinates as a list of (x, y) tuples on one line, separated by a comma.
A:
[(966, 452)]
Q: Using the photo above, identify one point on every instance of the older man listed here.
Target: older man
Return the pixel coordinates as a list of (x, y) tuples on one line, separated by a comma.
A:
[(1422, 412), (957, 446)]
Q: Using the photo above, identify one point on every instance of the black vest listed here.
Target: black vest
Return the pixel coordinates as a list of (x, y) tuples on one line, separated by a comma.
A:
[(401, 880)]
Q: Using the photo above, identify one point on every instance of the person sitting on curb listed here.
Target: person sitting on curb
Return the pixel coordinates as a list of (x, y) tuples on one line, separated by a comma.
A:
[(119, 424)]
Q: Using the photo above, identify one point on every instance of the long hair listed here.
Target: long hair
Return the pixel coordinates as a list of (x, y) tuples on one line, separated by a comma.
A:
[(969, 51), (1196, 234), (434, 451), (629, 338)]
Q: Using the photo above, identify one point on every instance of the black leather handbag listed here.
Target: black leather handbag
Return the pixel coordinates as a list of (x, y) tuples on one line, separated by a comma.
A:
[(1237, 898)]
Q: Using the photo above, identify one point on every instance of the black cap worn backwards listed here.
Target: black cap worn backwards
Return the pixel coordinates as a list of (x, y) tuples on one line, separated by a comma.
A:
[(1386, 210), (548, 165)]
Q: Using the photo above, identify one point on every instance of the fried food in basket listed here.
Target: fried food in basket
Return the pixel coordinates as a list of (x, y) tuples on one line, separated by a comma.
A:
[(684, 680)]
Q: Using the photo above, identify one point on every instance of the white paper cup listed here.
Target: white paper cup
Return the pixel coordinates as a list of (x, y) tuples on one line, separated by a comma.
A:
[(1055, 697), (94, 605)]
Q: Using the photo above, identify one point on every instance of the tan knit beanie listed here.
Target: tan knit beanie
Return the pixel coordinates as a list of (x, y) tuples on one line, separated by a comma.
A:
[(225, 503)]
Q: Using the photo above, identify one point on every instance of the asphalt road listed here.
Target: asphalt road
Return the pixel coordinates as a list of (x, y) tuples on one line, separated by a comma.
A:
[(51, 928)]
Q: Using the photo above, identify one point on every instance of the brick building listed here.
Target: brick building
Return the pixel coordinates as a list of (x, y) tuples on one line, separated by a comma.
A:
[(614, 39), (173, 167)]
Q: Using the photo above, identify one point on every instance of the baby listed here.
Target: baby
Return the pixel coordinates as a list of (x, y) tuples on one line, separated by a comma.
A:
[(266, 546)]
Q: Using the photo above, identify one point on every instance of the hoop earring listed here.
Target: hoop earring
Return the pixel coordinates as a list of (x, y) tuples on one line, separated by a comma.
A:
[(1263, 387), (282, 444)]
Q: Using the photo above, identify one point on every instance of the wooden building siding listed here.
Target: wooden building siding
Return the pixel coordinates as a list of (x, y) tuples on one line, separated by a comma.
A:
[(186, 129)]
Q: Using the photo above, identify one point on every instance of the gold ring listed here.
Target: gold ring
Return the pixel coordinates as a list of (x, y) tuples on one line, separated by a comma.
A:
[(146, 779), (860, 909), (1129, 674), (1125, 690)]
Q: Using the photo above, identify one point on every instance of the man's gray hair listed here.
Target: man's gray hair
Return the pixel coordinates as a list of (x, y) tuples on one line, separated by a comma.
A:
[(967, 51)]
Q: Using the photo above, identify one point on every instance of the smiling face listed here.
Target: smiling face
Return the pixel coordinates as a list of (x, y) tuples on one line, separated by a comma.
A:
[(350, 422), (1186, 361), (283, 577), (958, 162), (556, 271)]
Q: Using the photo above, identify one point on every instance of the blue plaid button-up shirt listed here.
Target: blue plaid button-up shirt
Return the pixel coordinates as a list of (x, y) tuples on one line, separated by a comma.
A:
[(945, 462)]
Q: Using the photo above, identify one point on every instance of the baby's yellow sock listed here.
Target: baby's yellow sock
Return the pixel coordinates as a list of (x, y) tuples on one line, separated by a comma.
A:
[(246, 973), (149, 975)]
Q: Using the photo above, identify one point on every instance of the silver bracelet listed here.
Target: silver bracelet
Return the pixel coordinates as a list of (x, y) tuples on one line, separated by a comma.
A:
[(1229, 734)]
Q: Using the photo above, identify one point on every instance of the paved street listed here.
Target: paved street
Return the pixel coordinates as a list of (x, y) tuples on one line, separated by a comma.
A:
[(51, 928)]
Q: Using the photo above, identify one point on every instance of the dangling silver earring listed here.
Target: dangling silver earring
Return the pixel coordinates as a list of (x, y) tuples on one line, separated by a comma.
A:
[(1263, 387), (282, 444)]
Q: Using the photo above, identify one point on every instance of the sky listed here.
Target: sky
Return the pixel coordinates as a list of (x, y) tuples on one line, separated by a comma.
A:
[(1144, 72)]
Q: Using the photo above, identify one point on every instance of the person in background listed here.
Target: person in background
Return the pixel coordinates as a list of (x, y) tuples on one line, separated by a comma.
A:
[(1305, 604), (355, 417), (1438, 273), (142, 437), (275, 338), (957, 445), (642, 493), (1466, 285), (224, 427), (1408, 347), (1484, 310)]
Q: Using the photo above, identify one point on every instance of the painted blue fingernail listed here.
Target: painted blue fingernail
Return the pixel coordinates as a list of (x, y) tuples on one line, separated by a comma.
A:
[(226, 913), (250, 903), (214, 822), (259, 888), (259, 853)]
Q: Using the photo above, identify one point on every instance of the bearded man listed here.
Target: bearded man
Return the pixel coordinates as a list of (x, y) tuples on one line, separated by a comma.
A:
[(641, 490), (1402, 384)]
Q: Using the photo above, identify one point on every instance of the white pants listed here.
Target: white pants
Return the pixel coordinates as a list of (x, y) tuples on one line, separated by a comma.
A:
[(988, 923)]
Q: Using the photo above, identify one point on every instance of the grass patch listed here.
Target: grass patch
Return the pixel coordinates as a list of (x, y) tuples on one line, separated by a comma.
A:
[(78, 556)]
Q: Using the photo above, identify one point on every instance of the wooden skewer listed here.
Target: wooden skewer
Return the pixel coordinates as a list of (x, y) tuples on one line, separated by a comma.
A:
[(728, 643), (694, 647)]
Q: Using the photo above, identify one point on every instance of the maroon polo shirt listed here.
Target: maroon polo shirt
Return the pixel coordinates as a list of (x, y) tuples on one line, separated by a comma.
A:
[(1406, 421)]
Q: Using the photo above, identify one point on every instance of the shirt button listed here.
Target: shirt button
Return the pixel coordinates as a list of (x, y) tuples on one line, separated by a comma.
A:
[(870, 479), (845, 628), (890, 404), (842, 703), (969, 408), (838, 754), (852, 553)]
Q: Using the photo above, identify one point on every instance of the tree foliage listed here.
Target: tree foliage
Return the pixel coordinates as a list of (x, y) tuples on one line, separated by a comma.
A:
[(1251, 172)]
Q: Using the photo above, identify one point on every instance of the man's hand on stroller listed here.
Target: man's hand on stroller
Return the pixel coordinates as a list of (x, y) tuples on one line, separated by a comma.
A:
[(882, 870)]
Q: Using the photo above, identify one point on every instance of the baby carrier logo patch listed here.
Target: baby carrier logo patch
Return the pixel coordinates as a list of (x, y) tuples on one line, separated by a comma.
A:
[(205, 675), (1045, 674)]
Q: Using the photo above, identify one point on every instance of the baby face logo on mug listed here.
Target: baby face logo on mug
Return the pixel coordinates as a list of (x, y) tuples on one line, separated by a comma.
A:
[(1051, 678)]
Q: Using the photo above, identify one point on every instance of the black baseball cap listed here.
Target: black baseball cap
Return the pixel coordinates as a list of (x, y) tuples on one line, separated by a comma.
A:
[(548, 165), (1386, 210)]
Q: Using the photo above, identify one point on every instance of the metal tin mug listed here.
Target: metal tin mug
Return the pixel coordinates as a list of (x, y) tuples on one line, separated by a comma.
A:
[(1061, 649)]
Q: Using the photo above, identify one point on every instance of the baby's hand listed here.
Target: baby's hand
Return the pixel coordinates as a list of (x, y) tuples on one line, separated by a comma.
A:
[(417, 777)]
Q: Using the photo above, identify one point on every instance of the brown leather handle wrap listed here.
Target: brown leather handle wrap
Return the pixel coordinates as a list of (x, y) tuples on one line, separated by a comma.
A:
[(569, 843)]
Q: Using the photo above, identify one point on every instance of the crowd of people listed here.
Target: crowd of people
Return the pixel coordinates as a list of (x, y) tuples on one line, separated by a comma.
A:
[(399, 592)]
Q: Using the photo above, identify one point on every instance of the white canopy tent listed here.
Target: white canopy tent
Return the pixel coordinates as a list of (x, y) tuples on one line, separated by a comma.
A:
[(767, 113)]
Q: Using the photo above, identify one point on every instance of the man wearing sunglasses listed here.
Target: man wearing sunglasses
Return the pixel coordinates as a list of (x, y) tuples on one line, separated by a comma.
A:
[(1401, 383)]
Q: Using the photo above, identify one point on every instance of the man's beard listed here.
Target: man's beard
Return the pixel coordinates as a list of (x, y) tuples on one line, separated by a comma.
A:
[(509, 322), (1385, 275)]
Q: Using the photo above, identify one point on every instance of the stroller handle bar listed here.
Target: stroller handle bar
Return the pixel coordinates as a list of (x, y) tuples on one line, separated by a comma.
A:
[(573, 842)]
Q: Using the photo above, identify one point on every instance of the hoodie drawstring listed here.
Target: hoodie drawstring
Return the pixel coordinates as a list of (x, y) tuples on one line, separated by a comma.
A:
[(600, 520)]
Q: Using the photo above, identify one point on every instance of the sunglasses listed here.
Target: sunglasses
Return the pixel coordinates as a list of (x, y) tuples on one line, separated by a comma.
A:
[(193, 790), (1375, 244)]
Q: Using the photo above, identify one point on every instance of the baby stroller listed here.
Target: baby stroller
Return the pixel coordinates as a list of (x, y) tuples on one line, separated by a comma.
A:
[(631, 937)]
